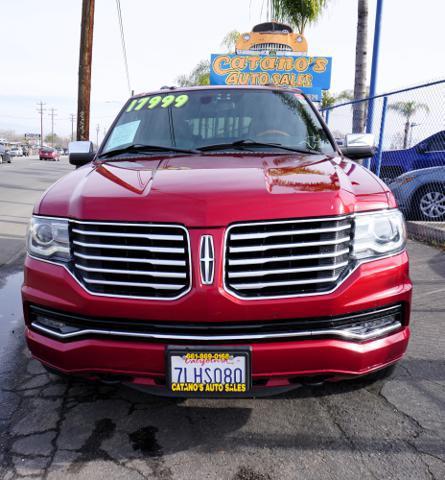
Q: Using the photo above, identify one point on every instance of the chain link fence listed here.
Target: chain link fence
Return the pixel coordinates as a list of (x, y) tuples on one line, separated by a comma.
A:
[(409, 127)]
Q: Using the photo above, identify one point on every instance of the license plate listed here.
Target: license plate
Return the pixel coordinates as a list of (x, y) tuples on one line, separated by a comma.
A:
[(208, 371)]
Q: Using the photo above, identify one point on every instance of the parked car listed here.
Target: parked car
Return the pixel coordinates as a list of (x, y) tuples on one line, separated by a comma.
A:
[(15, 152), (421, 194), (48, 153), (4, 155), (218, 243), (60, 150), (428, 153)]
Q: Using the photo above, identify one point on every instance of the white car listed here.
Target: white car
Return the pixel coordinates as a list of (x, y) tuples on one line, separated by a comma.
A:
[(16, 152)]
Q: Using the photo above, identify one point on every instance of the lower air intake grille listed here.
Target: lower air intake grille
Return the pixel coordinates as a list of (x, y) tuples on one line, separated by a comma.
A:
[(297, 257), (131, 260)]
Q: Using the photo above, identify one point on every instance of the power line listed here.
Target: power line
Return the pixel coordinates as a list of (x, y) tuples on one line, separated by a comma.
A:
[(124, 48)]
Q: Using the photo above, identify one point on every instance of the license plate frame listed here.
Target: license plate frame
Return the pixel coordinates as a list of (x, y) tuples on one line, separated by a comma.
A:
[(179, 350)]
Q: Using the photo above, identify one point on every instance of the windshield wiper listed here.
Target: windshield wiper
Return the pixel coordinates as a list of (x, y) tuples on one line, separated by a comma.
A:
[(246, 144), (141, 148)]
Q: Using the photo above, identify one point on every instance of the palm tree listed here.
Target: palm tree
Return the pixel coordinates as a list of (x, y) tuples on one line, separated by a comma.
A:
[(298, 13), (229, 41), (408, 110), (361, 53), (328, 99), (200, 75)]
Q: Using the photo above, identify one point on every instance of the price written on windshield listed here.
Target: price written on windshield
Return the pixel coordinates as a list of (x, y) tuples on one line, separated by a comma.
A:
[(157, 101)]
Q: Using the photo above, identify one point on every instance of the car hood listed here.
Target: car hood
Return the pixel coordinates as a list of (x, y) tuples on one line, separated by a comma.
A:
[(215, 190)]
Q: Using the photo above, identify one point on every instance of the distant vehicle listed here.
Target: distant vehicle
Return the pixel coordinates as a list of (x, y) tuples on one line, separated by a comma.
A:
[(428, 153), (48, 153), (60, 150), (421, 194), (15, 152), (4, 155)]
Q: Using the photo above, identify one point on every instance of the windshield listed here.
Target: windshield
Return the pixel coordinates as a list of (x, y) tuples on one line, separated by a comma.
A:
[(196, 119)]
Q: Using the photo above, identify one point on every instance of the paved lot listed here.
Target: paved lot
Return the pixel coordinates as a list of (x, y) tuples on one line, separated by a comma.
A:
[(389, 429)]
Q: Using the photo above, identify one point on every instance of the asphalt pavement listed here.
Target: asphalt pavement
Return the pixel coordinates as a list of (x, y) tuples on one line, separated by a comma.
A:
[(49, 428)]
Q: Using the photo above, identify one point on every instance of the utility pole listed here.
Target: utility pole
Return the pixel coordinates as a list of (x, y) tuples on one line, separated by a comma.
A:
[(85, 57), (52, 115), (72, 126), (97, 135), (40, 111)]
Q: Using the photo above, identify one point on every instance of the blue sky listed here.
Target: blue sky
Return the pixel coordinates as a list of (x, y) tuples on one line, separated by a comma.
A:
[(39, 46)]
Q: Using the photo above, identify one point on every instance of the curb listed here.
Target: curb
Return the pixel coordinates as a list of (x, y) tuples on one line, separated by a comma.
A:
[(430, 232)]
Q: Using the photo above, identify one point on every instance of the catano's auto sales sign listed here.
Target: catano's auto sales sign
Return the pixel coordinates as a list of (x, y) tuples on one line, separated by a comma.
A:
[(310, 74)]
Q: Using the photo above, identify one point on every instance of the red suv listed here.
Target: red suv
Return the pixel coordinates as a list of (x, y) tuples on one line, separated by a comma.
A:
[(218, 243), (48, 153)]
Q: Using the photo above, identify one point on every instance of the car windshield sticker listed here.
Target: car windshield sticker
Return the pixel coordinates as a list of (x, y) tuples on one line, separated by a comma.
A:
[(152, 102), (123, 134)]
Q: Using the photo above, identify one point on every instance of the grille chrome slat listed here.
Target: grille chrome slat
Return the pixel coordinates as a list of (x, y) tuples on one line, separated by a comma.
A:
[(161, 286), (253, 261), (152, 261), (147, 261), (261, 259), (130, 247), (129, 235), (133, 272), (260, 273), (250, 236), (261, 248), (250, 286)]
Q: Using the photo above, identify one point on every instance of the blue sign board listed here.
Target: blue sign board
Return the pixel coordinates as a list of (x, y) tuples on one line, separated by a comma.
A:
[(310, 74)]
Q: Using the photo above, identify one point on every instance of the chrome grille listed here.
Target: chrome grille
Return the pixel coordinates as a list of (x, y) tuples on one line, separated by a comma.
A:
[(131, 260), (282, 47), (279, 259)]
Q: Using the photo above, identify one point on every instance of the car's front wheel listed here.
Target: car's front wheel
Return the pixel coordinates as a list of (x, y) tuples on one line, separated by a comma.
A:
[(429, 203)]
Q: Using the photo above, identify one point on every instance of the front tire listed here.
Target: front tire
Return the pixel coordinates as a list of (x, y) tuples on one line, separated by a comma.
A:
[(429, 203)]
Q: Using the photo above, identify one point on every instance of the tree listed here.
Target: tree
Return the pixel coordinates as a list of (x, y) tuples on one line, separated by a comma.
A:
[(361, 55), (327, 99), (229, 41), (200, 75), (298, 13), (348, 96), (408, 110)]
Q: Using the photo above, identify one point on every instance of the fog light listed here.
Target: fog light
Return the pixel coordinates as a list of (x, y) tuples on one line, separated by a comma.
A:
[(54, 325), (374, 327)]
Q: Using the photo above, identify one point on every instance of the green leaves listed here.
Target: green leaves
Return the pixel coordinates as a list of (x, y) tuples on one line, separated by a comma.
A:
[(299, 13)]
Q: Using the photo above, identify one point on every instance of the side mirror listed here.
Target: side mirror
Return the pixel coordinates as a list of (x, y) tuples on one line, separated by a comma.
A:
[(80, 153), (359, 145)]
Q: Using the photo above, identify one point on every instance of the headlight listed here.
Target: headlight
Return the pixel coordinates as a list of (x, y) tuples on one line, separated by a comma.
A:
[(377, 234), (48, 238)]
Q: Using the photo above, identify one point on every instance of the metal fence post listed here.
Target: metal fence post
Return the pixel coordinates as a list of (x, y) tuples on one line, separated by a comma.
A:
[(382, 132), (375, 63), (326, 118)]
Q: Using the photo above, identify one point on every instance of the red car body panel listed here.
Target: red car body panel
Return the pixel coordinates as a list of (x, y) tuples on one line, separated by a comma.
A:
[(215, 190), (206, 194)]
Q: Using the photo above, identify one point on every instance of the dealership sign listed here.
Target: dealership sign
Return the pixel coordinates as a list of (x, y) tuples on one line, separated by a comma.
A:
[(310, 74)]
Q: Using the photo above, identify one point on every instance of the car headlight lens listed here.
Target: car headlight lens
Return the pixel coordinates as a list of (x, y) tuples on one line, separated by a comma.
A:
[(377, 234), (48, 238)]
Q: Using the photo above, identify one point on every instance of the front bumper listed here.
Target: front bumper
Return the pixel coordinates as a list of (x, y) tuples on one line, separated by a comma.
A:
[(276, 363)]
